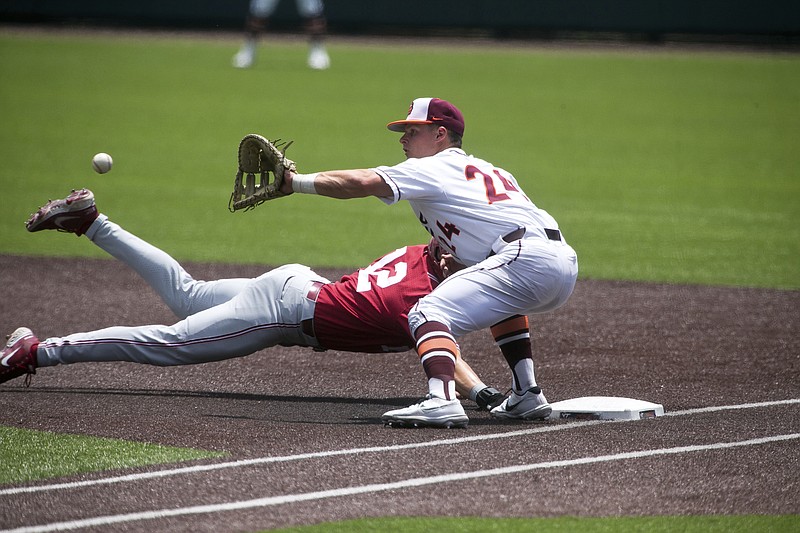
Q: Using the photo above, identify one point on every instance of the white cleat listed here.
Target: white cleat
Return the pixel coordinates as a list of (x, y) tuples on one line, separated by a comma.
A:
[(532, 405), (244, 58), (318, 58), (430, 412)]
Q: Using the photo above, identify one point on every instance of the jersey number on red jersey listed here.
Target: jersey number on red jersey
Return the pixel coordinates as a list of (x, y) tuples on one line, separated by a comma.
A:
[(383, 272)]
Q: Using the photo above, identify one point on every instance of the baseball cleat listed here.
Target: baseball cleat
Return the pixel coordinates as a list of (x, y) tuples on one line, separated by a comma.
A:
[(244, 58), (19, 356), (318, 58), (73, 214), (430, 412), (489, 398), (532, 405)]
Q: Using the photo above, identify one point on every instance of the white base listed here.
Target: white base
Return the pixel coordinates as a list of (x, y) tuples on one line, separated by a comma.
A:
[(605, 408)]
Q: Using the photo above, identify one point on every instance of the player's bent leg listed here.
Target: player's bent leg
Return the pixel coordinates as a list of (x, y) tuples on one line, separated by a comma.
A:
[(463, 303), (513, 338), (438, 354), (480, 296)]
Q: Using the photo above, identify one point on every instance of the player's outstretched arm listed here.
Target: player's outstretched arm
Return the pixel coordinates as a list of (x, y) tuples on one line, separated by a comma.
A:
[(466, 378), (469, 385), (342, 184)]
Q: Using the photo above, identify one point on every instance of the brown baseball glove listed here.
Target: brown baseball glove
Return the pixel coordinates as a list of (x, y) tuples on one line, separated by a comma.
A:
[(259, 157)]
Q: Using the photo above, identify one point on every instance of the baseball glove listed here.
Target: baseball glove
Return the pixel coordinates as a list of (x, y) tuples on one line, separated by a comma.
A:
[(259, 156)]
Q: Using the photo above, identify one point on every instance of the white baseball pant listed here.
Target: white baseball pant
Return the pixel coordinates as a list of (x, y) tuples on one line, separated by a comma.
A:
[(306, 8), (530, 275), (221, 319)]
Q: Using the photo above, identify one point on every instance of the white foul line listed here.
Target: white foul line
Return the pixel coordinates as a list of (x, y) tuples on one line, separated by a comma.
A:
[(354, 451), (298, 457), (414, 482), (700, 410)]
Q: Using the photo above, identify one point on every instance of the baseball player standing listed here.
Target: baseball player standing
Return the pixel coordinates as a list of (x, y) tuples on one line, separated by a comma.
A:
[(259, 12), (516, 261)]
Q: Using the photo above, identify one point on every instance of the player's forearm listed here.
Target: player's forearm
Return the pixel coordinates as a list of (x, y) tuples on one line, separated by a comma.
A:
[(342, 184), (466, 378)]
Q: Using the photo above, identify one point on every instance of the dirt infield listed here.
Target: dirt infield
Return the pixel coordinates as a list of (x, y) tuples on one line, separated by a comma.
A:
[(303, 419)]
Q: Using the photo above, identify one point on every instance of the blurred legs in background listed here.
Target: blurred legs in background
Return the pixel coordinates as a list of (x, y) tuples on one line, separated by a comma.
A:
[(315, 26)]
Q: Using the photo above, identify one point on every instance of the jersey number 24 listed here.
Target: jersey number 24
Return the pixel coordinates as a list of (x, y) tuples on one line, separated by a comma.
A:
[(492, 194)]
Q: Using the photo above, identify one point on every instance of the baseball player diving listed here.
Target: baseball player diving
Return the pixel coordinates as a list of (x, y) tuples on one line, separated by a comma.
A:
[(516, 260), (366, 311)]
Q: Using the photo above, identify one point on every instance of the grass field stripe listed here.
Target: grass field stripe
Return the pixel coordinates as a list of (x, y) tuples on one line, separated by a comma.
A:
[(397, 485), (353, 451)]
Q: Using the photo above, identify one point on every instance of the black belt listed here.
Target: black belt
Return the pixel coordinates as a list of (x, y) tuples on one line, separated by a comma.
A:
[(514, 235), (307, 325), (553, 234), (517, 234)]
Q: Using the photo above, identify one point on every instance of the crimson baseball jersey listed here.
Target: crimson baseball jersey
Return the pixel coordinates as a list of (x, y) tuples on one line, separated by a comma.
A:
[(367, 311)]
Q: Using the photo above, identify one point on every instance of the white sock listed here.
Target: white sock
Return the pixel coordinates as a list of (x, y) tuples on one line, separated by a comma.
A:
[(436, 388), (523, 371)]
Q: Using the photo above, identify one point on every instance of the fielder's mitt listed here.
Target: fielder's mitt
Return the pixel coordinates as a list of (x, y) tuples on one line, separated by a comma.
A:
[(258, 156)]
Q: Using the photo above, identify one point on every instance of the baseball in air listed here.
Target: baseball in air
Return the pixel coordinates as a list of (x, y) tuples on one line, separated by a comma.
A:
[(101, 163)]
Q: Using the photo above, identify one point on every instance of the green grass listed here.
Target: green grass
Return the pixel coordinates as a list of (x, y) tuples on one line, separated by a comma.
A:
[(665, 167), (27, 455), (654, 524)]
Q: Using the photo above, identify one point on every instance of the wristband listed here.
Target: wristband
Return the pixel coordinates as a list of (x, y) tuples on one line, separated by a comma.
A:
[(304, 183)]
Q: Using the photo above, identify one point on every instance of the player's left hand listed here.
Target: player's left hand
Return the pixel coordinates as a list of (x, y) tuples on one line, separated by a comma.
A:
[(286, 184), (449, 265)]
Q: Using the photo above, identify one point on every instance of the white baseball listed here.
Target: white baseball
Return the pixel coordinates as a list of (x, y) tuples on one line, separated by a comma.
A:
[(101, 163)]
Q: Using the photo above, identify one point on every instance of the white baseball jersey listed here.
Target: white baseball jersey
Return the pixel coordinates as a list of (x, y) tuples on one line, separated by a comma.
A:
[(466, 203)]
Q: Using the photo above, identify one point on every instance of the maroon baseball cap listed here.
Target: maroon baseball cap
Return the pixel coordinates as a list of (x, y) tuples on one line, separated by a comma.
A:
[(431, 111)]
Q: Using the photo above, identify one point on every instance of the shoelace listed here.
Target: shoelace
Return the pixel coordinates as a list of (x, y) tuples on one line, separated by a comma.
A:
[(427, 397)]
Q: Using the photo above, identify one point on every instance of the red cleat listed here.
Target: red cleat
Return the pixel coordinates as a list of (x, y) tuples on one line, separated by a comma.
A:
[(73, 214), (19, 355)]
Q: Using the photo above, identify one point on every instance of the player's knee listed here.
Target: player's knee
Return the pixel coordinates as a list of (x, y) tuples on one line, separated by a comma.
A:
[(417, 317), (310, 8), (262, 8), (316, 25)]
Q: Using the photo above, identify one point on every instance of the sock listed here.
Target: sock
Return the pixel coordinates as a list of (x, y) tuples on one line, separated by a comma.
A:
[(437, 350), (316, 27), (34, 350), (514, 339)]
